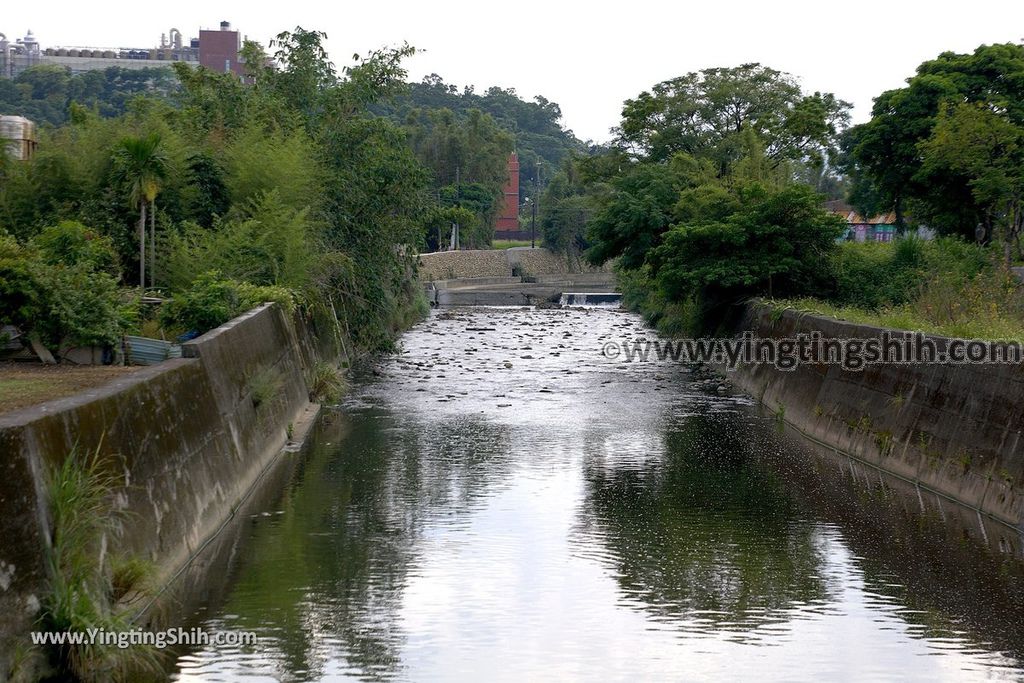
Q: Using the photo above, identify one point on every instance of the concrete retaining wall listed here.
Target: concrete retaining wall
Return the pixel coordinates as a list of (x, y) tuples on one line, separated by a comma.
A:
[(188, 437), (450, 265), (954, 429)]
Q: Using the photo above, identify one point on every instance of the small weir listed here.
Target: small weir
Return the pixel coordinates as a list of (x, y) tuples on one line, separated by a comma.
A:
[(591, 299)]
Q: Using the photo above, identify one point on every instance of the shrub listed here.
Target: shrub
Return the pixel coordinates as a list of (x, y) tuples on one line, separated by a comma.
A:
[(71, 243), (874, 274), (213, 300), (326, 384), (263, 386), (986, 305), (775, 239), (61, 305), (265, 243), (83, 308)]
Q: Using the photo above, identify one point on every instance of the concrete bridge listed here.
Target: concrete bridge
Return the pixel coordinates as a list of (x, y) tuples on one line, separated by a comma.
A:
[(523, 290), (510, 277)]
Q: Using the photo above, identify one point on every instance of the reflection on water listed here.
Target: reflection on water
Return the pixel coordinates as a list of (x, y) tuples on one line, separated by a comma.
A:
[(502, 501)]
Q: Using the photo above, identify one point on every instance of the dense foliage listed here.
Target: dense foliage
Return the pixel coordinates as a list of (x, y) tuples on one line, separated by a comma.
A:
[(873, 275), (945, 286), (708, 113), (468, 158), (61, 288), (323, 182), (290, 183), (699, 200), (761, 238), (213, 300), (948, 147), (712, 193), (462, 138)]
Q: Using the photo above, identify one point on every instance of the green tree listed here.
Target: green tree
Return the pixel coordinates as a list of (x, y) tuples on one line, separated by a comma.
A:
[(705, 113), (987, 149), (212, 103), (566, 209), (206, 195), (771, 241), (71, 243), (438, 222), (263, 241), (59, 305), (49, 93), (468, 157), (633, 216), (141, 166), (887, 149), (683, 148), (305, 71), (540, 139)]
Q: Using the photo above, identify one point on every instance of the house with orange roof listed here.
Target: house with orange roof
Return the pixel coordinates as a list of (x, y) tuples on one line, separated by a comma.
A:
[(880, 228)]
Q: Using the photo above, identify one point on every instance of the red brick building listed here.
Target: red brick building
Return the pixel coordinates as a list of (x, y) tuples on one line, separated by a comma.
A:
[(218, 50), (507, 225)]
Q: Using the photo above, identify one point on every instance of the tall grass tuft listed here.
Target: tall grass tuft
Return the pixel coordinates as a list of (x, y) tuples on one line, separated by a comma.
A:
[(263, 386), (84, 589), (327, 384)]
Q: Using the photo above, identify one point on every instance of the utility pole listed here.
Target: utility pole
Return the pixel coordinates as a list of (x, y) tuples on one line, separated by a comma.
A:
[(458, 196), (536, 198), (142, 247)]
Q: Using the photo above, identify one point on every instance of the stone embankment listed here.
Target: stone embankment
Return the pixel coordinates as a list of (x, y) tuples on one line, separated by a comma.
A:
[(188, 438), (952, 429)]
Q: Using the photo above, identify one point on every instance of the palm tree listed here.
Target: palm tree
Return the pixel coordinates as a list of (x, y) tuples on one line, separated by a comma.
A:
[(141, 166)]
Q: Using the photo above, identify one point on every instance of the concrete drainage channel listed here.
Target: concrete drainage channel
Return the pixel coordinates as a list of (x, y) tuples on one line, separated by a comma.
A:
[(578, 289)]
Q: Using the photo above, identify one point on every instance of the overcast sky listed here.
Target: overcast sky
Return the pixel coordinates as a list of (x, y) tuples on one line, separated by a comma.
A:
[(587, 56)]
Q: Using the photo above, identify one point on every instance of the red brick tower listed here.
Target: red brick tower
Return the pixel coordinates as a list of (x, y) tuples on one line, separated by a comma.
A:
[(508, 220)]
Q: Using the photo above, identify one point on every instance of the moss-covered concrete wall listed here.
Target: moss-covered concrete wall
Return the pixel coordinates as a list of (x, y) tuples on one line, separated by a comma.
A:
[(955, 429), (188, 438)]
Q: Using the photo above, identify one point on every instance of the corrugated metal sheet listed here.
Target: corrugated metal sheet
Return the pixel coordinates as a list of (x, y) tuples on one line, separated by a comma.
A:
[(146, 351), (10, 338)]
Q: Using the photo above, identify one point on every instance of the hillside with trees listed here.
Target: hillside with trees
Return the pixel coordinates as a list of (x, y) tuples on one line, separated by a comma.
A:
[(465, 138), (461, 138), (46, 92), (536, 125)]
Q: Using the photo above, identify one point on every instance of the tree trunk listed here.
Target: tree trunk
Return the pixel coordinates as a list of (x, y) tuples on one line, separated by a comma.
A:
[(152, 243), (142, 246), (41, 351), (1007, 253), (901, 224)]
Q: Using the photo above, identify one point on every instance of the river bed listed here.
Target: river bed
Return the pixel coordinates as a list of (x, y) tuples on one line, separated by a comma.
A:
[(502, 501)]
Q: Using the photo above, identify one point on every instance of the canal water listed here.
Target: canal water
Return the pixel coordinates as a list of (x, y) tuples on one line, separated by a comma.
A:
[(501, 501)]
